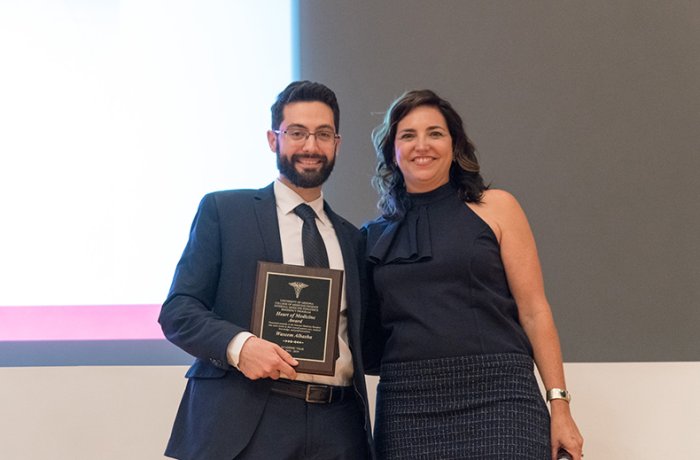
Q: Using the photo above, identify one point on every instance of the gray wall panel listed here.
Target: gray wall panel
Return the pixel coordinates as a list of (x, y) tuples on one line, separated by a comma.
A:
[(587, 111)]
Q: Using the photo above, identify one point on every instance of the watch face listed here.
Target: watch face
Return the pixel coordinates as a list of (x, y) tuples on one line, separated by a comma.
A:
[(557, 393)]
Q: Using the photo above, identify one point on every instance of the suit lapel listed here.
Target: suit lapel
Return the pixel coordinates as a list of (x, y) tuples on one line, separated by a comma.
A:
[(352, 280), (268, 226), (343, 238)]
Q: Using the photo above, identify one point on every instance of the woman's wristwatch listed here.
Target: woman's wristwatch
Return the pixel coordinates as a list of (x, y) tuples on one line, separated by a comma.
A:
[(558, 393)]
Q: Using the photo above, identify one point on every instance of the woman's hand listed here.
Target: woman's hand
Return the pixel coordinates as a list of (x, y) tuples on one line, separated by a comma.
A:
[(564, 432)]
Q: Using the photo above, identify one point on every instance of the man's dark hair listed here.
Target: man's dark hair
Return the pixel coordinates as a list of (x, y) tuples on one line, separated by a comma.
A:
[(304, 91), (388, 180)]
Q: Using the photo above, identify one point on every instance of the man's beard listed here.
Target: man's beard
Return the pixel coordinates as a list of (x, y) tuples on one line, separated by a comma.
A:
[(305, 179)]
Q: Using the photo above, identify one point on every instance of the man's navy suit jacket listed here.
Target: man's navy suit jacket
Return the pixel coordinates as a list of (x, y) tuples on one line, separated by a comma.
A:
[(210, 302)]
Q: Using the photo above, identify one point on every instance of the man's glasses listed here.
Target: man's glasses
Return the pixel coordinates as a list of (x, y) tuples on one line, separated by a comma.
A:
[(323, 136)]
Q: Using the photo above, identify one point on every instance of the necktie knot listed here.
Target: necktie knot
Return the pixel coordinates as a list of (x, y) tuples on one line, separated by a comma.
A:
[(315, 254), (306, 213)]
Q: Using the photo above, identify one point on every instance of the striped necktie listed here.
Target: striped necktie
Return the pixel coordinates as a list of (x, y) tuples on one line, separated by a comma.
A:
[(315, 254)]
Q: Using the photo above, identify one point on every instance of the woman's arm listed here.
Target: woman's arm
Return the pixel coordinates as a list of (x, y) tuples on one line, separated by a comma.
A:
[(519, 253)]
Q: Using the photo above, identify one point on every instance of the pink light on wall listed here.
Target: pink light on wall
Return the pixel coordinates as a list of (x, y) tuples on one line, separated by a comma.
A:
[(83, 322)]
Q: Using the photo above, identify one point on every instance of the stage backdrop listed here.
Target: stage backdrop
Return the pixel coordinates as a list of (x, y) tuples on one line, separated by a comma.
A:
[(588, 112), (115, 119)]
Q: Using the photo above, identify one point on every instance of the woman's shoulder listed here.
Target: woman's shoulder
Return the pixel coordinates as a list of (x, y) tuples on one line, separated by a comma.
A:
[(373, 229), (498, 203), (499, 209), (379, 222), (499, 199)]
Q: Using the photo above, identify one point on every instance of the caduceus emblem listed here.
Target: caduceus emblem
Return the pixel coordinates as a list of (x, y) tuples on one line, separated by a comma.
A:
[(298, 286)]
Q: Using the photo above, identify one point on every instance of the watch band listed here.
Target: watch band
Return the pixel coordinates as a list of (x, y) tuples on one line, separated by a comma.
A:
[(558, 393)]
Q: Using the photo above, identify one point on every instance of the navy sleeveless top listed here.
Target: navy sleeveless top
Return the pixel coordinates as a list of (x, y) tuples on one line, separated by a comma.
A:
[(440, 283)]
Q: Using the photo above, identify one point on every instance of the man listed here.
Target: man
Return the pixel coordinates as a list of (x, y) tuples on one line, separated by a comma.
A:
[(244, 399)]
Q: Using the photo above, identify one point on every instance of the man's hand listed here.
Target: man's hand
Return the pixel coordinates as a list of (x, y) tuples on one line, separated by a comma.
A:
[(262, 359)]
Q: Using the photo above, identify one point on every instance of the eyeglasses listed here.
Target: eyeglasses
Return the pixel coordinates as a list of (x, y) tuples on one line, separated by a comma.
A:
[(323, 136)]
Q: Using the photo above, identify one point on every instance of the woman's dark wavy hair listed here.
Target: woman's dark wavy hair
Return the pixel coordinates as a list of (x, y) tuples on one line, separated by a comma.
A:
[(388, 180)]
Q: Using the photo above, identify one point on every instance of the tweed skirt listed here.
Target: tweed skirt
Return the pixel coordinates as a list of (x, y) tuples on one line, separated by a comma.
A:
[(467, 407)]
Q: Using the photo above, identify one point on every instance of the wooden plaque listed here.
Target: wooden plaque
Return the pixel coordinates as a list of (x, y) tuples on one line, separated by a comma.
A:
[(297, 308)]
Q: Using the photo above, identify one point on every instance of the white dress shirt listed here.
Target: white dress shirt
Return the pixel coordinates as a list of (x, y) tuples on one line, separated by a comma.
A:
[(292, 253)]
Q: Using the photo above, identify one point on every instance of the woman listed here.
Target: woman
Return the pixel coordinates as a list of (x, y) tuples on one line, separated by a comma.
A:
[(459, 310)]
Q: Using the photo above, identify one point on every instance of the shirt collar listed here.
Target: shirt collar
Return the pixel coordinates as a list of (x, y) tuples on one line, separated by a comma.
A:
[(287, 199)]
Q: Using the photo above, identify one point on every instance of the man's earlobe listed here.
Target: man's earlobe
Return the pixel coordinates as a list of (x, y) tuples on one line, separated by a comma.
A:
[(272, 140)]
